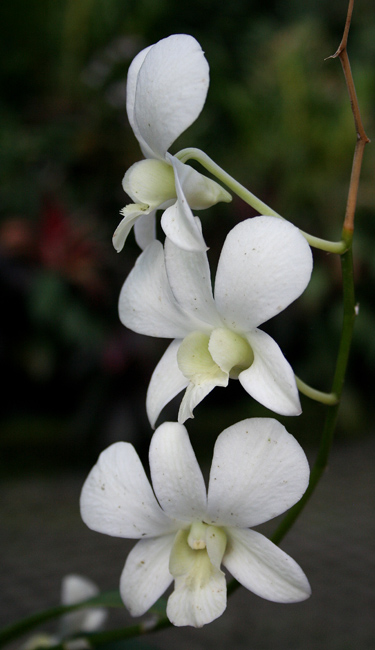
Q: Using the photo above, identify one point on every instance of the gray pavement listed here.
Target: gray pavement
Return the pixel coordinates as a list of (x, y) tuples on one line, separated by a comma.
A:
[(43, 538)]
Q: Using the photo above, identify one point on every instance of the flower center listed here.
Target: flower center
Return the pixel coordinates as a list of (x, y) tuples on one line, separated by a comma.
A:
[(198, 549), (194, 563), (230, 351), (224, 353), (197, 535)]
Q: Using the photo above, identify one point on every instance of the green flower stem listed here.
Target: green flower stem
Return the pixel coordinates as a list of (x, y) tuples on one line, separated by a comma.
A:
[(349, 306), (317, 395), (349, 314), (95, 639), (224, 177), (17, 629), (249, 198), (161, 621)]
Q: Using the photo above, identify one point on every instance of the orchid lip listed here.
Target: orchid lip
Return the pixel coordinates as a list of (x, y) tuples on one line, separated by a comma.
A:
[(221, 355)]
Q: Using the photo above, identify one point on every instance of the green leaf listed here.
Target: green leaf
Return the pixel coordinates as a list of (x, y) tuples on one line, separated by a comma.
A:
[(13, 631)]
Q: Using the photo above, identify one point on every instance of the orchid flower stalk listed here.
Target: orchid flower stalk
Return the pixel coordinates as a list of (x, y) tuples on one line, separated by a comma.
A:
[(187, 534)]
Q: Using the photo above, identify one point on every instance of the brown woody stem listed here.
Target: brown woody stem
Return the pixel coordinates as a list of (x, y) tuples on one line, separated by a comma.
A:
[(362, 138)]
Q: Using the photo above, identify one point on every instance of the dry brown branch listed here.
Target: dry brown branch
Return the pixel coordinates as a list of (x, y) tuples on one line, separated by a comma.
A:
[(362, 138)]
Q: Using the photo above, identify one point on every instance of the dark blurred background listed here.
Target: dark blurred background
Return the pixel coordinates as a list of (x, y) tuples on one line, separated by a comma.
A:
[(277, 117)]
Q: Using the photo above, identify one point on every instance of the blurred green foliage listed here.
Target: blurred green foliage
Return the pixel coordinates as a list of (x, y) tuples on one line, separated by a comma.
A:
[(277, 118)]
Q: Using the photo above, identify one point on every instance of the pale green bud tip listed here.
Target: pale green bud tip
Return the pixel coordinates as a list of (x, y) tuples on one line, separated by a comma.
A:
[(202, 192), (150, 182)]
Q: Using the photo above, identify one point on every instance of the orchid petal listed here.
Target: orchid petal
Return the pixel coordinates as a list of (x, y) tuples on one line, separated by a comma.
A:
[(265, 264), (190, 280), (200, 191), (270, 379), (131, 86), (178, 221), (200, 594), (195, 394), (146, 575), (178, 224), (171, 89), (258, 471), (92, 619), (131, 213), (117, 498), (196, 363), (145, 229), (176, 476), (146, 303), (263, 568), (166, 382), (216, 542), (75, 589)]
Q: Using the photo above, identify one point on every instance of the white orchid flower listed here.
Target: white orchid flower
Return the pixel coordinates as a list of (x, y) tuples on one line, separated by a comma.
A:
[(74, 589), (265, 264), (258, 471), (166, 89)]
